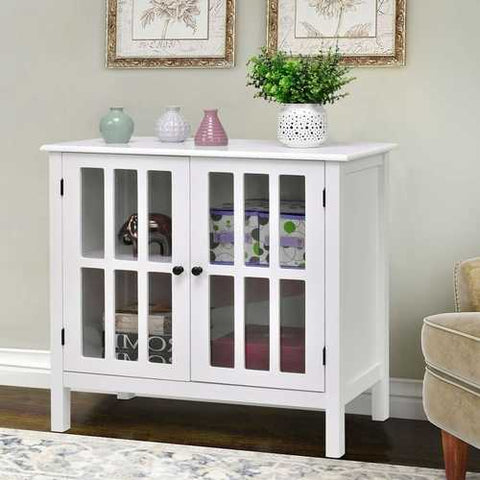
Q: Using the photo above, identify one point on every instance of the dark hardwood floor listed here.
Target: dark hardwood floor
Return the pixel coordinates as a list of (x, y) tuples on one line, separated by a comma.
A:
[(401, 442)]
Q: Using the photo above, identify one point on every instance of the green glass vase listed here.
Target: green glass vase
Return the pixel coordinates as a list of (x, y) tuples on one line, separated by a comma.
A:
[(116, 126)]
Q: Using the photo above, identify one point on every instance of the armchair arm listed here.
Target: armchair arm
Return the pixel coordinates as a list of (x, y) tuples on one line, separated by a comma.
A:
[(467, 285), (451, 388), (451, 345)]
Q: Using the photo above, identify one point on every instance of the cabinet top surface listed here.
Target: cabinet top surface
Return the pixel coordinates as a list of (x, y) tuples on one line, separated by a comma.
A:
[(266, 149)]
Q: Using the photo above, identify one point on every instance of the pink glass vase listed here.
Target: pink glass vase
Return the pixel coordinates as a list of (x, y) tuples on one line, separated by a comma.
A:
[(211, 133)]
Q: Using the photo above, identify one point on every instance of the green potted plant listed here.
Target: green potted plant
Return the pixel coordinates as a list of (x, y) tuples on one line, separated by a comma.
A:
[(303, 86)]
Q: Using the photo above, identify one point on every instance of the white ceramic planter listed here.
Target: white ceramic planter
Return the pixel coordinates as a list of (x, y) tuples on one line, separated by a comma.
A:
[(302, 125), (171, 126)]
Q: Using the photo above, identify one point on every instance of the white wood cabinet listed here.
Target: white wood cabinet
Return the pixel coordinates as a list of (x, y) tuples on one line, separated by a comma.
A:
[(251, 274)]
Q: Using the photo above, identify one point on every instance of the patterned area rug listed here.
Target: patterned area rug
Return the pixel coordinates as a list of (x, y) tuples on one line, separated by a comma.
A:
[(27, 455)]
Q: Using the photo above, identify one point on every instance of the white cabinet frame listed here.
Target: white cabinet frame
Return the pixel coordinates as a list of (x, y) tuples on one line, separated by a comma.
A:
[(355, 278)]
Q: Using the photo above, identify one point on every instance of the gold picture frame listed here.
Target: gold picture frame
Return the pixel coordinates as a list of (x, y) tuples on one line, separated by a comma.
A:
[(124, 51), (394, 55)]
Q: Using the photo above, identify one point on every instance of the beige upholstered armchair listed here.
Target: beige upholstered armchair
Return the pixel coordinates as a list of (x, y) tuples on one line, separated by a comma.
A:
[(451, 389)]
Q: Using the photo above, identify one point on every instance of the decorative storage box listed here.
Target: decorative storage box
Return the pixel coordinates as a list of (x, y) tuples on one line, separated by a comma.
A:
[(159, 336), (257, 239)]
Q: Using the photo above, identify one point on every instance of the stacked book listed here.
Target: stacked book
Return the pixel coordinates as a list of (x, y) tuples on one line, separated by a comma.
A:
[(159, 334)]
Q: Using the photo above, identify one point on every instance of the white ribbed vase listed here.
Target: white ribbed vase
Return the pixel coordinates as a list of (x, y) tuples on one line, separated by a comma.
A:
[(171, 126), (302, 125)]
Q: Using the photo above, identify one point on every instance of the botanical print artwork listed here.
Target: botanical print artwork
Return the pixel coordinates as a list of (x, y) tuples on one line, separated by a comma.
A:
[(170, 33), (335, 18), (170, 19), (365, 32)]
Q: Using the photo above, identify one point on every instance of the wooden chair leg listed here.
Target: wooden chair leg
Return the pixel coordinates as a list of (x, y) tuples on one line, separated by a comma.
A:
[(455, 453)]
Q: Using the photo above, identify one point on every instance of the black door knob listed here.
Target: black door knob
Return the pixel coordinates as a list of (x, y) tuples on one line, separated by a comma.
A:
[(197, 271), (178, 270)]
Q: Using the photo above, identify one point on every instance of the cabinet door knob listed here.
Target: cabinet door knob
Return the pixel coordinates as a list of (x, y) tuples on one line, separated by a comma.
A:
[(178, 270), (197, 271)]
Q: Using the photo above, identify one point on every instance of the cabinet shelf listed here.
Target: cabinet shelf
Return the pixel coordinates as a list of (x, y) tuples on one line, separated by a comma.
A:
[(98, 255)]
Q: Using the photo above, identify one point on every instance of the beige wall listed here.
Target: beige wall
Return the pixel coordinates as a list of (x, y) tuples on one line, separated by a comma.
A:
[(53, 86)]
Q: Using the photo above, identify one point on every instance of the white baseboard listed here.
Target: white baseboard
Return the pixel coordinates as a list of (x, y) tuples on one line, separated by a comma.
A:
[(25, 368), (405, 400), (31, 368)]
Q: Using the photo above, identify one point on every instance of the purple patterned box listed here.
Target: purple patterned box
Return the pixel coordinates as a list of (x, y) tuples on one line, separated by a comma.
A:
[(257, 236)]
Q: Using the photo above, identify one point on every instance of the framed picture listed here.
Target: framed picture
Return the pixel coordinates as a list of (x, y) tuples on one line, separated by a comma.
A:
[(170, 33), (366, 32)]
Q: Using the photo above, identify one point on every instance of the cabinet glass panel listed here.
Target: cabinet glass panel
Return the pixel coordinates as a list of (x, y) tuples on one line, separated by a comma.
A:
[(160, 216), (221, 219), (160, 332), (292, 221), (257, 323), (93, 308), (222, 329), (126, 315), (292, 326), (126, 208), (93, 212), (257, 229)]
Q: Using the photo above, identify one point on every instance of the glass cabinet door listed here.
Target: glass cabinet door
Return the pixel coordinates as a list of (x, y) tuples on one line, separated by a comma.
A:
[(127, 252), (259, 302)]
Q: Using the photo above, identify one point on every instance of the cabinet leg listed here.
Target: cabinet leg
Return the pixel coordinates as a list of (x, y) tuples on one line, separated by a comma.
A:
[(125, 396), (60, 409), (381, 401), (335, 432)]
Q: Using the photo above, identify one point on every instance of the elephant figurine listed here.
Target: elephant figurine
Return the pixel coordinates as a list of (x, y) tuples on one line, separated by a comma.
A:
[(159, 232)]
